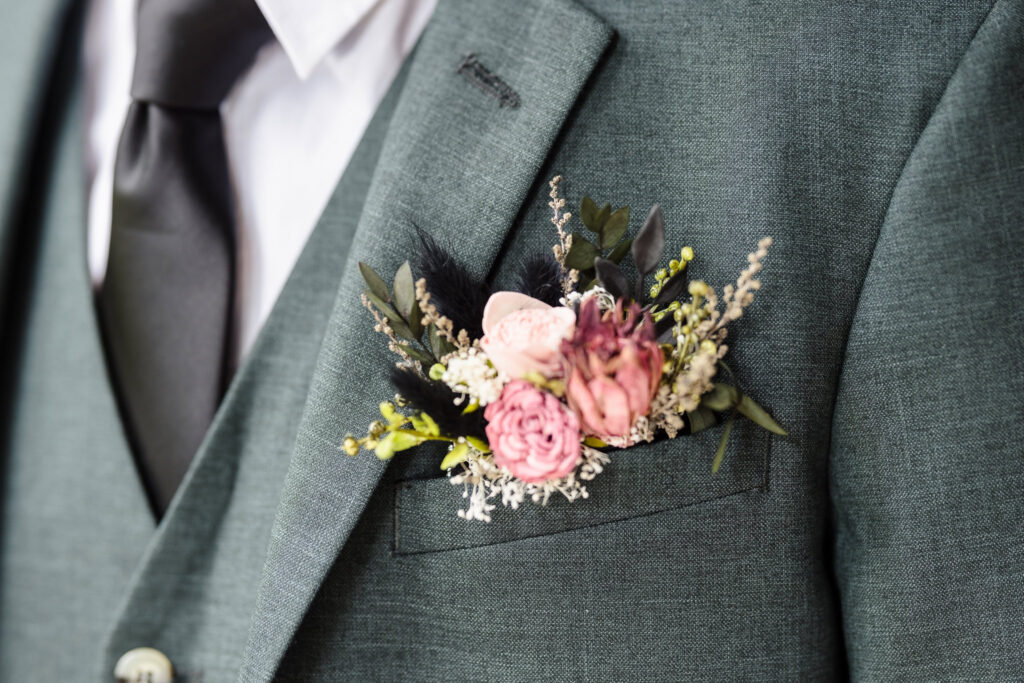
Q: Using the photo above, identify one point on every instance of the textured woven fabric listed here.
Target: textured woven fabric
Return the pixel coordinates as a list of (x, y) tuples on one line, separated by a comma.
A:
[(882, 146)]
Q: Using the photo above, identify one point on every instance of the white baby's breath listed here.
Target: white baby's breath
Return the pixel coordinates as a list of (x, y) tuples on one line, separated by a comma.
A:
[(468, 373), (484, 482), (605, 300)]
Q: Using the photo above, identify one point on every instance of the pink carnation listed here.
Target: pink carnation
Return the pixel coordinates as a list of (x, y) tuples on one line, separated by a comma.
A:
[(523, 334), (531, 434)]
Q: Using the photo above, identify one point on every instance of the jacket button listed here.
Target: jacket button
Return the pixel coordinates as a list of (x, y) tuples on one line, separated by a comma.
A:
[(143, 665)]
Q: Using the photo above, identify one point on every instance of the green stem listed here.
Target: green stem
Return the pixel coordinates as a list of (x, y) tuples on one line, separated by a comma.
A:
[(426, 437)]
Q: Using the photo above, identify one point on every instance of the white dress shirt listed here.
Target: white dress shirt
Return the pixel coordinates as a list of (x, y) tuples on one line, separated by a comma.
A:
[(291, 123)]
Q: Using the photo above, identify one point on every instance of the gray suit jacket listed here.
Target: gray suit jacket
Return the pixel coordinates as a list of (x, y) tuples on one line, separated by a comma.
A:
[(881, 144)]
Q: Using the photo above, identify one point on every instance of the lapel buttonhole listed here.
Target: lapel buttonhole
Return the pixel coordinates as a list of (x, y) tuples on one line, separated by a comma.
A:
[(488, 81)]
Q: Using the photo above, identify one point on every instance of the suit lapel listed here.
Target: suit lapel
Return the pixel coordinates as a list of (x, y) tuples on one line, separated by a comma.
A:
[(458, 161), (30, 44)]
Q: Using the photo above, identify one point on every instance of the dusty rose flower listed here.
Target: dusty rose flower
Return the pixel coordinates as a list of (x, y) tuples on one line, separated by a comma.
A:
[(523, 334), (613, 369), (532, 434)]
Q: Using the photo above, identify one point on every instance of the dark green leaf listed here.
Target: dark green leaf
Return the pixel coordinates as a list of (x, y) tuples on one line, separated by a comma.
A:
[(758, 415), (440, 346), (418, 354), (374, 282), (602, 217), (394, 320), (615, 228), (382, 306), (649, 243), (620, 251), (611, 278), (720, 453), (588, 213), (416, 320), (701, 419), (672, 289), (721, 397), (582, 253), (402, 329), (405, 291)]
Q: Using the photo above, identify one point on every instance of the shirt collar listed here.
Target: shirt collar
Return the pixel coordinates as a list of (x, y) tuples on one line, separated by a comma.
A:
[(310, 29)]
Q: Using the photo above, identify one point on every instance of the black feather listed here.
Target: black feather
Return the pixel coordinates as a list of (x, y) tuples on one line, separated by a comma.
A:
[(541, 278), (438, 401), (458, 295)]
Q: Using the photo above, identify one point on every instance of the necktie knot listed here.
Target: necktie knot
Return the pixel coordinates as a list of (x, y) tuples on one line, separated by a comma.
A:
[(191, 52)]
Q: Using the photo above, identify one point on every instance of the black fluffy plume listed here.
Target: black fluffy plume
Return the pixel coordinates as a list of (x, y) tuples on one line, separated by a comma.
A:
[(435, 399), (542, 279), (458, 295)]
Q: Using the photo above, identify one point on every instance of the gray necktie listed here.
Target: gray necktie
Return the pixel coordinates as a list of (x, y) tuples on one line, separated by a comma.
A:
[(166, 301)]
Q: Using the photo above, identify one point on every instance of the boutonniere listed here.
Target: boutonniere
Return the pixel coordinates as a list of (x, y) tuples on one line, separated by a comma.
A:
[(532, 390)]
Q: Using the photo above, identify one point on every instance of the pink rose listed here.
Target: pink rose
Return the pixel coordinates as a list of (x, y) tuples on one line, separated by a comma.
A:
[(614, 367), (531, 434), (522, 334)]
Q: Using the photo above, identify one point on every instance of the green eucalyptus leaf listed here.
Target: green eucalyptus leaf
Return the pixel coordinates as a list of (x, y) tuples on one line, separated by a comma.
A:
[(374, 282), (755, 413), (602, 217), (588, 213), (416, 320), (649, 243), (456, 455), (701, 419), (582, 253), (443, 345), (418, 354), (611, 278), (615, 228), (721, 397), (720, 453), (405, 291), (416, 323), (620, 251), (382, 306), (401, 329), (434, 341)]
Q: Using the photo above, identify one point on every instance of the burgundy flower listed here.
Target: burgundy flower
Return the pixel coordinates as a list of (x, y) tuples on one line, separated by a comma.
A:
[(613, 368)]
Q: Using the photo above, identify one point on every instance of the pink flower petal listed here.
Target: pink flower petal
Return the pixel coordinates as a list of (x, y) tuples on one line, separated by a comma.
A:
[(502, 303), (614, 405)]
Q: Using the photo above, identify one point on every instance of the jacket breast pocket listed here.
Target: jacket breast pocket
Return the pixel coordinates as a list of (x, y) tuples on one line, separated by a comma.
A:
[(639, 481)]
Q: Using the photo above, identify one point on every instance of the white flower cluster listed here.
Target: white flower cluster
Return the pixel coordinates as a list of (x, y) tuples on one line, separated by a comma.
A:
[(483, 481), (604, 298), (469, 373)]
